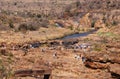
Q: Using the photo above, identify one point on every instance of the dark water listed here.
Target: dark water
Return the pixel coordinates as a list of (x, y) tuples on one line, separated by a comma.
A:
[(78, 35)]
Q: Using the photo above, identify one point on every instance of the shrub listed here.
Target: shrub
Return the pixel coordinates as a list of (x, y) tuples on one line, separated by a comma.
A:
[(39, 15), (106, 34), (22, 27), (93, 24), (68, 8), (78, 3), (25, 27), (114, 23), (71, 27), (4, 27), (11, 25), (5, 52), (44, 23), (32, 27), (15, 3), (97, 48), (5, 71)]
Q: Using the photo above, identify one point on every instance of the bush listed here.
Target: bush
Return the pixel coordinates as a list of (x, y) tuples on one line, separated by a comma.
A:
[(11, 25), (78, 4), (4, 27), (68, 8), (93, 24), (25, 27), (44, 23), (114, 23), (39, 15), (5, 71), (22, 27), (32, 27), (107, 34), (71, 27), (97, 47)]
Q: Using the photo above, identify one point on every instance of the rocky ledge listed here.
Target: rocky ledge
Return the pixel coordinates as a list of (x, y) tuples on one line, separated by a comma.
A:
[(109, 61)]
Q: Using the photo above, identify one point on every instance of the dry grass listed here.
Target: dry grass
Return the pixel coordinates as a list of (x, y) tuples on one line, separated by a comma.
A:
[(41, 35)]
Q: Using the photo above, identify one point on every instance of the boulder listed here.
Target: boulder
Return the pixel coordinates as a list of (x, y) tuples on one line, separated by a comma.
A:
[(103, 57), (96, 65), (114, 69)]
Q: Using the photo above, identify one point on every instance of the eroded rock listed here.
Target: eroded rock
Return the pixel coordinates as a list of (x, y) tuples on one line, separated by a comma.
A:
[(115, 68), (104, 57), (96, 65)]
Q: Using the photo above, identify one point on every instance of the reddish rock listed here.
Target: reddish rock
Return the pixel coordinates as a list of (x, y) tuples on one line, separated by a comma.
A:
[(96, 65), (103, 57), (115, 68)]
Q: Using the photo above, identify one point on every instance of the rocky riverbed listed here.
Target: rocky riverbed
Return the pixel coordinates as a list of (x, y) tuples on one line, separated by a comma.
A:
[(30, 47), (81, 58)]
